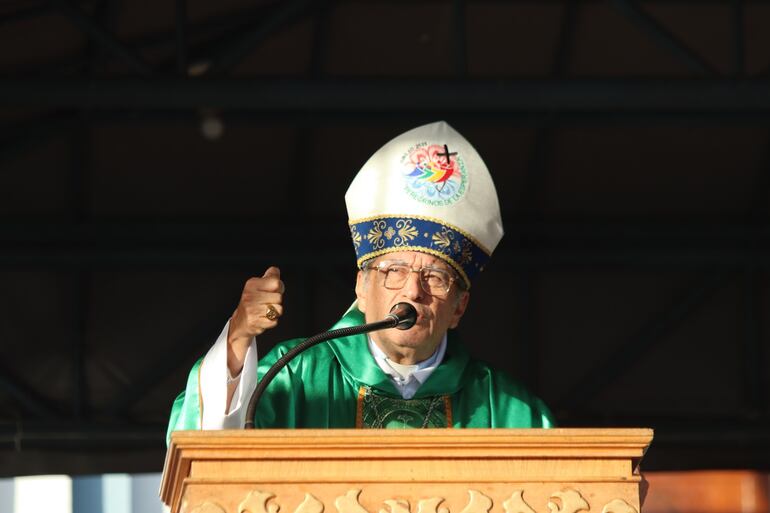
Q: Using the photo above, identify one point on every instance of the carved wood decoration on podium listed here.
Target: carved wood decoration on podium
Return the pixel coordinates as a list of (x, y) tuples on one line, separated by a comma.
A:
[(405, 471)]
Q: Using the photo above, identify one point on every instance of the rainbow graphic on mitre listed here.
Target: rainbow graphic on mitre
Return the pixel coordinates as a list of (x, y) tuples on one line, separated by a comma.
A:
[(435, 172)]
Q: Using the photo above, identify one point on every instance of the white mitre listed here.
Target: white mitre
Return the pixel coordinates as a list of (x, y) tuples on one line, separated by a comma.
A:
[(426, 190)]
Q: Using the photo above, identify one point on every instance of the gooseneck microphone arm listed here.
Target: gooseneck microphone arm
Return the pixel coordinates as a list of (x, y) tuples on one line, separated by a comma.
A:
[(402, 316)]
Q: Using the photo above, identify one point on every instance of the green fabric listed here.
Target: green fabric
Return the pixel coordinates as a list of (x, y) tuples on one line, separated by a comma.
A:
[(185, 412), (319, 388)]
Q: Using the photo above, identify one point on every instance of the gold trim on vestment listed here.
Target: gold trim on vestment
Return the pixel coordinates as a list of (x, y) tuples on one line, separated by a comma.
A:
[(360, 408)]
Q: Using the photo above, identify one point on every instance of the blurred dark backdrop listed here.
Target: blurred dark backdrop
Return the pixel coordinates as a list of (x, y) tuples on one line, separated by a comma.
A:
[(154, 155)]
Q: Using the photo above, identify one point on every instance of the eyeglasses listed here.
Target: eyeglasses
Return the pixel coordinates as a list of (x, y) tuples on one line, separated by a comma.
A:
[(434, 281)]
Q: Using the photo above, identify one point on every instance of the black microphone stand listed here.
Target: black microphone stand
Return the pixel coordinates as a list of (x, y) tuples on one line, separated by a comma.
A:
[(405, 321)]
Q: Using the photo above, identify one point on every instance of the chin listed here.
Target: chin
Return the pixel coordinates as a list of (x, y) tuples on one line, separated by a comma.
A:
[(412, 338)]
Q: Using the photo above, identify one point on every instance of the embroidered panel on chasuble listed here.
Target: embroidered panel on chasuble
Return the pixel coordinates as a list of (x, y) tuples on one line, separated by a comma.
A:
[(380, 411)]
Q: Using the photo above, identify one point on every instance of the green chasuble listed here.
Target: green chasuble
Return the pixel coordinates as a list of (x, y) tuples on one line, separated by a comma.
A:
[(338, 384)]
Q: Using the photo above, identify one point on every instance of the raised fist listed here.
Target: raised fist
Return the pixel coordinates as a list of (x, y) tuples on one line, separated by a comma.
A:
[(259, 309)]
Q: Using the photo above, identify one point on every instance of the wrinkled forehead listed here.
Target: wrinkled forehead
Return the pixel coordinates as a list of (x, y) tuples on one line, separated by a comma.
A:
[(414, 259)]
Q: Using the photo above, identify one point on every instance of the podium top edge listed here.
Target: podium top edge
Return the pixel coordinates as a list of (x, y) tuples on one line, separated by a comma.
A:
[(354, 437)]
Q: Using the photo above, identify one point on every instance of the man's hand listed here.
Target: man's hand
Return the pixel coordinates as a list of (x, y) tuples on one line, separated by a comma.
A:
[(250, 319)]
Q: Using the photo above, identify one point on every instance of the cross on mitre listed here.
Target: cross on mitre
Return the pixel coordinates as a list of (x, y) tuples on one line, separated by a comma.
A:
[(446, 154)]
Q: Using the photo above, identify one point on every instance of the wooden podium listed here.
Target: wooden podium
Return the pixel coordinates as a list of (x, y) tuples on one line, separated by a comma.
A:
[(405, 471)]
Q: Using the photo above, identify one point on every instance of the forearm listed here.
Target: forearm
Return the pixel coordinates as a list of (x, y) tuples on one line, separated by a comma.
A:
[(241, 373), (237, 348)]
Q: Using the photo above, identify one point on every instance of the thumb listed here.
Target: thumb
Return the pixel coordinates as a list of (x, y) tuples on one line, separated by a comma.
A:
[(272, 272)]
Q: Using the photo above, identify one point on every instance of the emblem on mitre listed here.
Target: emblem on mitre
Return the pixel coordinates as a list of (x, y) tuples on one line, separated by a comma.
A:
[(434, 175)]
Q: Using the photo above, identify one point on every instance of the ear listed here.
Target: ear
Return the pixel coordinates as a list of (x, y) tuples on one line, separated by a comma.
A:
[(462, 304), (361, 291)]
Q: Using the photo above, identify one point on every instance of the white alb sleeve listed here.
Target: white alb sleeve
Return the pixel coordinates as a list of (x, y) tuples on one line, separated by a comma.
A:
[(213, 386)]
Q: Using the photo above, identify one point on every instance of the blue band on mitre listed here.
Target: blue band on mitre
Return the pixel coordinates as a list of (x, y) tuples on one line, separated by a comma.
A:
[(376, 236)]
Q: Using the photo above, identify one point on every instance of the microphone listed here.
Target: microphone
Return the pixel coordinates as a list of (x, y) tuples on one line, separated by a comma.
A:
[(402, 316)]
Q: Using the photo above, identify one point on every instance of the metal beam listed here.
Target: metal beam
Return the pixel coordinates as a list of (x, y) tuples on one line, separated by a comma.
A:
[(534, 183), (759, 209), (27, 398), (79, 304), (363, 97), (711, 434), (509, 119), (208, 31), (22, 137), (706, 433), (103, 257), (320, 38), (117, 246), (566, 41), (28, 436), (181, 37), (105, 15), (525, 337), (80, 172), (626, 355), (664, 235), (25, 14), (739, 38), (754, 373), (231, 56), (459, 38), (82, 21), (663, 37), (533, 189)]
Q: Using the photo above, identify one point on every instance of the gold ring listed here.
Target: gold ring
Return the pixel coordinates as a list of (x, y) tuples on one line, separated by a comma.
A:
[(272, 313)]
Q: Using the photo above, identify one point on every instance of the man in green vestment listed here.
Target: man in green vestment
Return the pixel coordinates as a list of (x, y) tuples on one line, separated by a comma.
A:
[(424, 220)]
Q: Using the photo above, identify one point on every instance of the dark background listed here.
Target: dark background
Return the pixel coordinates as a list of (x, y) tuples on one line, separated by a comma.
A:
[(629, 142)]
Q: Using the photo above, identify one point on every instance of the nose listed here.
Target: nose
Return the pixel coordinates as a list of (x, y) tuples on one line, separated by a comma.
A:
[(413, 287)]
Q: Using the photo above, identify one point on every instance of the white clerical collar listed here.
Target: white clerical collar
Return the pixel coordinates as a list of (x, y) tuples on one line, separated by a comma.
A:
[(408, 378)]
